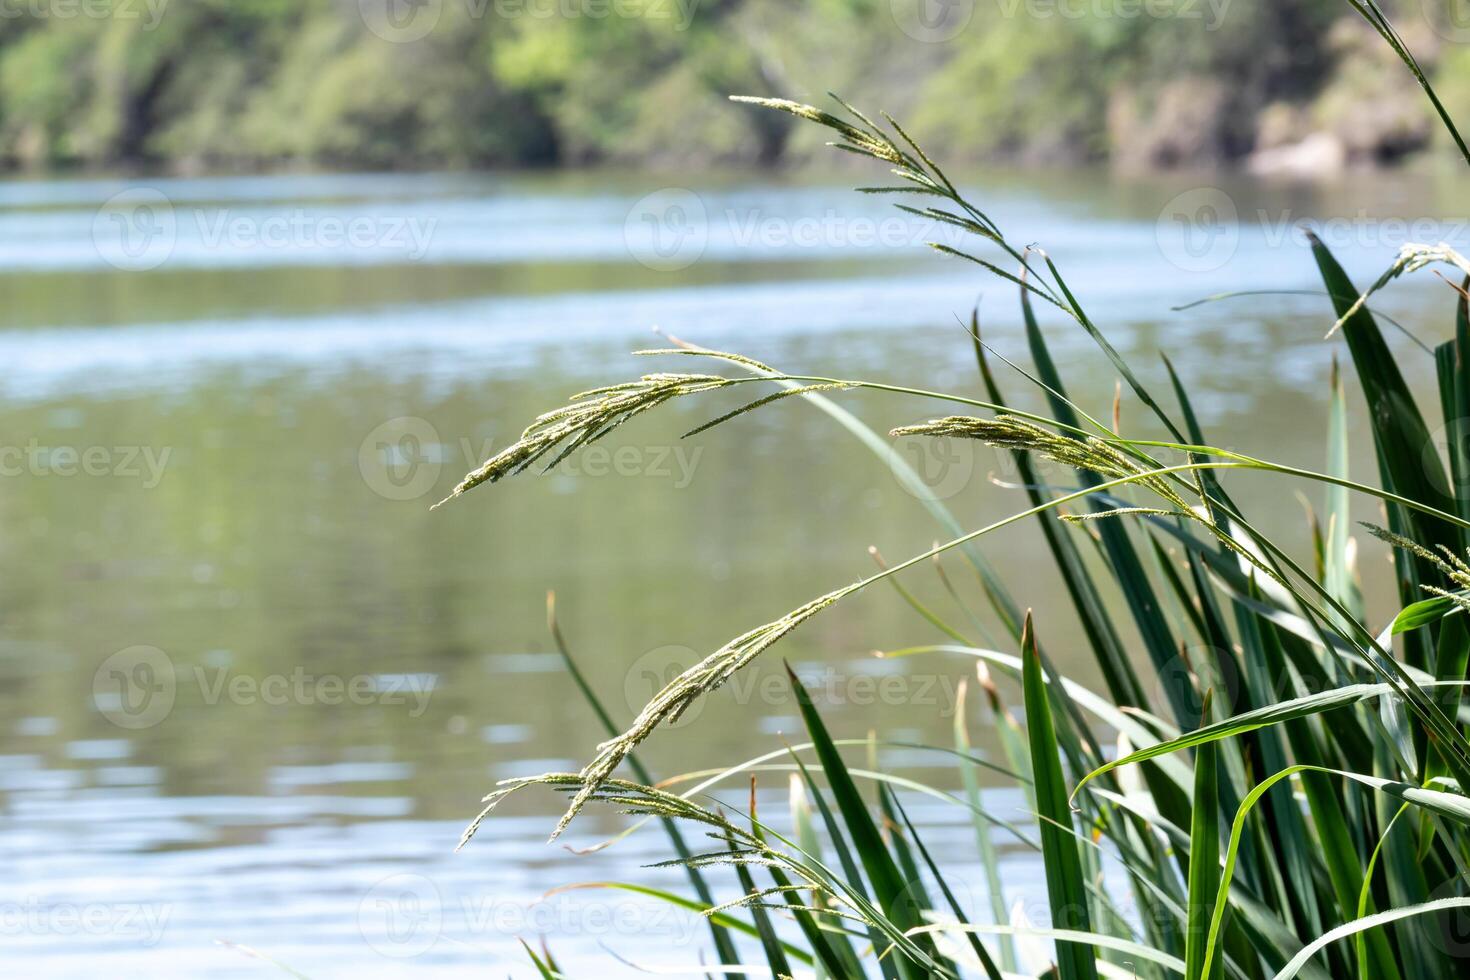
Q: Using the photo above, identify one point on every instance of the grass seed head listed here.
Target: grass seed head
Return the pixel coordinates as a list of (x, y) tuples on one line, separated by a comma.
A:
[(671, 702), (588, 416)]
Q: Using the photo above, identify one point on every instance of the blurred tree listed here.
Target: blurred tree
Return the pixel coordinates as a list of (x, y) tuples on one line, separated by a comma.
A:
[(247, 83)]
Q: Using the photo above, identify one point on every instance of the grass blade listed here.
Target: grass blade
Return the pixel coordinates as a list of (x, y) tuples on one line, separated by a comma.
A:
[(835, 957), (1407, 464), (1064, 884), (1274, 714), (724, 919), (1374, 15), (981, 953), (849, 865), (1123, 559), (889, 887), (1363, 924), (1204, 861), (988, 857)]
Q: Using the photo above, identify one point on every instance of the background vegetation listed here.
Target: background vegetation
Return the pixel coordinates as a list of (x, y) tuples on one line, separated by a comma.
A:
[(256, 83)]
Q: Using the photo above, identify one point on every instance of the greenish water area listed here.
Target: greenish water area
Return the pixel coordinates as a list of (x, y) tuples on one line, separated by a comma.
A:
[(252, 688)]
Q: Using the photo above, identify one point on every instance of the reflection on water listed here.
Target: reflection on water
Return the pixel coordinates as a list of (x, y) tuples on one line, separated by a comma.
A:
[(254, 689)]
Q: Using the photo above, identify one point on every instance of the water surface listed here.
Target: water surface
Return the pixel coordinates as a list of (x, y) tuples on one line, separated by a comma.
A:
[(253, 689)]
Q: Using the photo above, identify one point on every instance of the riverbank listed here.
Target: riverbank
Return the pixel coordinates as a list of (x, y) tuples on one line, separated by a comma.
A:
[(470, 84)]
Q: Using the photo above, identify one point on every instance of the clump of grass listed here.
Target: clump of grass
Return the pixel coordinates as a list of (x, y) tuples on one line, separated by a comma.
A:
[(1256, 817)]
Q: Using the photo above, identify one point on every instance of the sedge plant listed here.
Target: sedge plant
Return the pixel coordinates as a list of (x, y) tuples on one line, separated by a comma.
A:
[(1294, 806)]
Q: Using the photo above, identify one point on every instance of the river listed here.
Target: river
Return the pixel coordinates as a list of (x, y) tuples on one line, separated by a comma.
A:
[(253, 688)]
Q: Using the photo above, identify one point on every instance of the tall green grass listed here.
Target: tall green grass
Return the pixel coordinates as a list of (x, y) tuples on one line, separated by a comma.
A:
[(1293, 807)]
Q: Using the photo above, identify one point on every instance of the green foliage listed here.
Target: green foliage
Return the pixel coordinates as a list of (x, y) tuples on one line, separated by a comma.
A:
[(1333, 777), (506, 82)]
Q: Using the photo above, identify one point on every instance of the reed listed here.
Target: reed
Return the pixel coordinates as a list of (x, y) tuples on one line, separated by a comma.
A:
[(1308, 819)]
